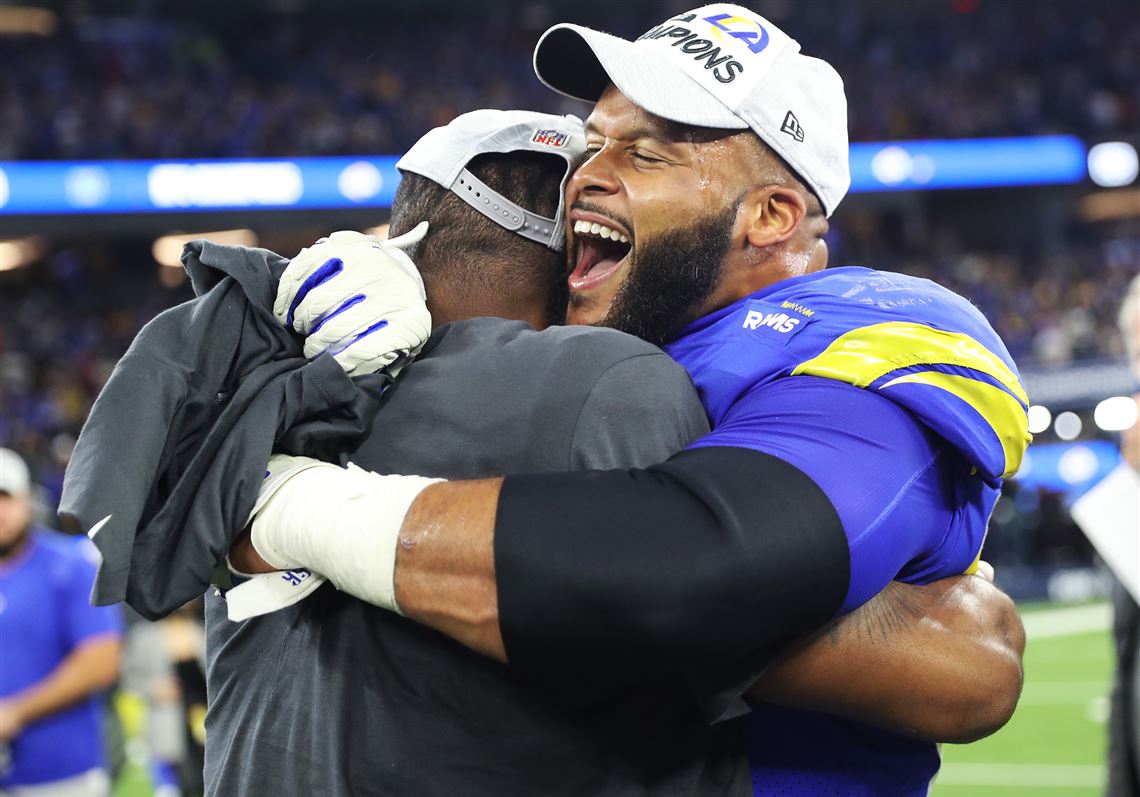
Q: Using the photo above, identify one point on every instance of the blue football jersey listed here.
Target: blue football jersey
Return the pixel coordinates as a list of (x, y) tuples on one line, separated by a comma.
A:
[(45, 614), (900, 401)]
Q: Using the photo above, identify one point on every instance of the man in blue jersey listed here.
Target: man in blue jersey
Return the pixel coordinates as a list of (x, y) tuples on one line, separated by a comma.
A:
[(862, 420), (59, 653)]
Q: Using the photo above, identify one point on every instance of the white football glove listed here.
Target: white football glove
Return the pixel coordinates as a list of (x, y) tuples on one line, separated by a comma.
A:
[(358, 298)]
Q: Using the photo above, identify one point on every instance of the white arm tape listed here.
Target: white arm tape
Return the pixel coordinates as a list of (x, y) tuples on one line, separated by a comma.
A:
[(341, 523)]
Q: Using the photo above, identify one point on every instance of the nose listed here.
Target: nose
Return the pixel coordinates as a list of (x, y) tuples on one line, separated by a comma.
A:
[(595, 177)]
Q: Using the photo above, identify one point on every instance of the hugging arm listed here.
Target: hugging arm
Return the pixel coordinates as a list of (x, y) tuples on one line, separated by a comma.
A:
[(940, 662)]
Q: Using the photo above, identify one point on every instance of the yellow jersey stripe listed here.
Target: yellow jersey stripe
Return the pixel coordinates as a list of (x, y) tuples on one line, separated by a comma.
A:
[(1000, 410), (863, 355), (973, 568)]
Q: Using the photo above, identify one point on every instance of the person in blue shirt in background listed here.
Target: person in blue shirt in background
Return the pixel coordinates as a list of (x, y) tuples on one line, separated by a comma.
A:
[(58, 653)]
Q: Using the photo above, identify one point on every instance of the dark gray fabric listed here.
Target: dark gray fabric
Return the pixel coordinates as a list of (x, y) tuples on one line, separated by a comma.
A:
[(489, 397), (176, 444), (338, 698), (1124, 717), (683, 557)]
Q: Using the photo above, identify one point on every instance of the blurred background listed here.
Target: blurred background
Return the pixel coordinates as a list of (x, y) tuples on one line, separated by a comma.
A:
[(994, 151)]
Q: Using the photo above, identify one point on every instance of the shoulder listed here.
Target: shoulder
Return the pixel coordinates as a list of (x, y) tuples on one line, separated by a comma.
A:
[(622, 402), (64, 555), (599, 340), (858, 325), (587, 352), (849, 297), (925, 348), (63, 546), (540, 400)]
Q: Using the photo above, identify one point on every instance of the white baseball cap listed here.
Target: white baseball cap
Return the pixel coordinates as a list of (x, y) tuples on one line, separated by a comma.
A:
[(718, 66), (443, 154), (14, 477)]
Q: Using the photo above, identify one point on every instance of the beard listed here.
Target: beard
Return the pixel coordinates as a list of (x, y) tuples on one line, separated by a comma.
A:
[(671, 276), (14, 544)]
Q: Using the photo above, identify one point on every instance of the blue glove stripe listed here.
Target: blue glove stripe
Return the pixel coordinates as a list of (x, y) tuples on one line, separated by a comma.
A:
[(355, 300), (329, 269), (375, 327)]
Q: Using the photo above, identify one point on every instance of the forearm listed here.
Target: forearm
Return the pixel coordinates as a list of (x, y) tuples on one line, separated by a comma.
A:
[(445, 563), (92, 667), (625, 573), (941, 662)]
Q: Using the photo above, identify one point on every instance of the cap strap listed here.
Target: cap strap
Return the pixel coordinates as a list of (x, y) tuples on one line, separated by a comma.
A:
[(506, 213)]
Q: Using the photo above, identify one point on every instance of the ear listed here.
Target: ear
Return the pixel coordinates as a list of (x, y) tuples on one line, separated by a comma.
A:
[(772, 214)]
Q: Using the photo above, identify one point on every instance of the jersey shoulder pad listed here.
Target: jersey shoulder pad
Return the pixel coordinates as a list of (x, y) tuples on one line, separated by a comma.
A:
[(923, 346)]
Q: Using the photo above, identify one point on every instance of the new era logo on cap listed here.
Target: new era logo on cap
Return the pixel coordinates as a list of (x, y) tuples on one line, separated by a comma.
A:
[(791, 126)]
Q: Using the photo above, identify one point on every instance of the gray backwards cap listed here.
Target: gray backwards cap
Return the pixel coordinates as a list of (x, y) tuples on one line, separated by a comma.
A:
[(443, 154)]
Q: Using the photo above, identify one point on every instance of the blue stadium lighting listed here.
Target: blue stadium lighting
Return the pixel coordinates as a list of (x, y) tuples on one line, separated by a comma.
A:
[(1070, 468), (92, 187), (68, 187), (967, 163), (1113, 164)]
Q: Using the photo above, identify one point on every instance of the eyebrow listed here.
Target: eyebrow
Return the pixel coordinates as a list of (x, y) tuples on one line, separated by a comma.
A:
[(655, 134)]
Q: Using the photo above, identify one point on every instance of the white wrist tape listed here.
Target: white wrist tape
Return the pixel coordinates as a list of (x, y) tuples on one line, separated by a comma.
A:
[(341, 523), (268, 592)]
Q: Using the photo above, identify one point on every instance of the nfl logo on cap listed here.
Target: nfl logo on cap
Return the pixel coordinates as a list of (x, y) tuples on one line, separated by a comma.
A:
[(551, 138)]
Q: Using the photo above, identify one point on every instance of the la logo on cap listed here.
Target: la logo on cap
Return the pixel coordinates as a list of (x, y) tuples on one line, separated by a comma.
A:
[(752, 33), (722, 46)]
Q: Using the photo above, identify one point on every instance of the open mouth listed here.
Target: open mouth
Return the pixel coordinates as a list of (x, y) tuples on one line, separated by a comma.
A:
[(601, 250)]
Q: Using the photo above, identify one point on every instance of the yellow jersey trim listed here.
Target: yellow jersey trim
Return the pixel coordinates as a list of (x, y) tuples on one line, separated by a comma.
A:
[(1000, 410), (864, 355), (861, 356)]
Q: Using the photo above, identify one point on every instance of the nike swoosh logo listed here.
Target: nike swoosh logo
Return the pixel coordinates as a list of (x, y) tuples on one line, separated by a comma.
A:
[(96, 528)]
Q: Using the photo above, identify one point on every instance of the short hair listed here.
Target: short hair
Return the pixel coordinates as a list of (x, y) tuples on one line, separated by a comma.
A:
[(459, 235), (790, 176)]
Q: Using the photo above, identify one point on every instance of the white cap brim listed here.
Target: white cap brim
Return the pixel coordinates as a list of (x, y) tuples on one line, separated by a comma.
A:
[(579, 62)]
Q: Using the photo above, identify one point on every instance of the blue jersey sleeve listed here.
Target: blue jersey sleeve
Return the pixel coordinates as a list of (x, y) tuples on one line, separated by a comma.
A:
[(82, 621), (892, 482)]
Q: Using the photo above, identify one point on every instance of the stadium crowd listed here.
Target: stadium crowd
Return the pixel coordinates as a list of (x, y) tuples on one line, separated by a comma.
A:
[(302, 84), (309, 84), (1051, 310)]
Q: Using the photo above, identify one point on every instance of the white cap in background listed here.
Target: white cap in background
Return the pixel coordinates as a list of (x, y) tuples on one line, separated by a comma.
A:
[(14, 477)]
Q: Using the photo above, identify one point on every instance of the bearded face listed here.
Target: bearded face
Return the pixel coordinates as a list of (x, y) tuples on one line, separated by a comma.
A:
[(668, 276), (655, 210)]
